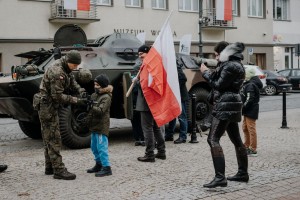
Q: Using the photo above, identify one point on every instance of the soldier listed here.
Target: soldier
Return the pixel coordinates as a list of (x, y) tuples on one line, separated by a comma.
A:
[(56, 88)]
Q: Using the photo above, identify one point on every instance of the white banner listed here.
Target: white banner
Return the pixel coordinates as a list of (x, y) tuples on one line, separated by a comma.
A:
[(185, 44), (141, 37), (70, 4)]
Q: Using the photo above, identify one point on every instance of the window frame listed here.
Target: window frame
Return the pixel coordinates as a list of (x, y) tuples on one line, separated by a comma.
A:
[(287, 9), (102, 4), (157, 8), (192, 6), (250, 6), (133, 6), (236, 11)]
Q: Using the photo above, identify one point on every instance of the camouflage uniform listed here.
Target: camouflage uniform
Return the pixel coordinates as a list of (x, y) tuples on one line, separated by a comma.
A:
[(55, 89)]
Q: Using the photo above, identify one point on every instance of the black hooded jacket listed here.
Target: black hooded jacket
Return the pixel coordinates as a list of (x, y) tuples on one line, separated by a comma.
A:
[(226, 82), (250, 96)]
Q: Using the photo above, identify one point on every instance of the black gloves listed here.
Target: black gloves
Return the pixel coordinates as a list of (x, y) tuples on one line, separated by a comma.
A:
[(82, 101)]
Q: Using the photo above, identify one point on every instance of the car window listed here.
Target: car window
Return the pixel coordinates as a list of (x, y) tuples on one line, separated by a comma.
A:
[(295, 72), (285, 72)]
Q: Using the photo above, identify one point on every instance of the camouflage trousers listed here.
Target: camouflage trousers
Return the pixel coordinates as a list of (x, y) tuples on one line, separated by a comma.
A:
[(51, 137)]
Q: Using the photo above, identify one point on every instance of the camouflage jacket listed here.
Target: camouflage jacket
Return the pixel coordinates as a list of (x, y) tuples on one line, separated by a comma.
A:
[(58, 84), (98, 118)]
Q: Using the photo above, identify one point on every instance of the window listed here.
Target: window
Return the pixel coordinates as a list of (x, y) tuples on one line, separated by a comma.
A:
[(235, 7), (133, 3), (103, 2), (281, 9), (189, 5), (159, 4), (255, 8)]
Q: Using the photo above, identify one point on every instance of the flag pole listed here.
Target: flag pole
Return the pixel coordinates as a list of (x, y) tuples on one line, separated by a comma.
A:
[(132, 84), (137, 76)]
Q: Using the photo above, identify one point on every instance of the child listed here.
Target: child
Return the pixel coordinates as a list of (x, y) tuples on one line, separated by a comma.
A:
[(250, 97), (98, 122)]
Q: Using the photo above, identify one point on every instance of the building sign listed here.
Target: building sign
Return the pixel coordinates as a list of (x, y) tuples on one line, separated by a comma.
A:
[(137, 31)]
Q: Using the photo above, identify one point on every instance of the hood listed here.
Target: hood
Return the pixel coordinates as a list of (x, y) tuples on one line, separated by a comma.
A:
[(232, 52), (256, 81), (107, 90)]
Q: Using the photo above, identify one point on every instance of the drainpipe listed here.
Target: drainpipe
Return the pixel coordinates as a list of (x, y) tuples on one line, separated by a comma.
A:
[(200, 31)]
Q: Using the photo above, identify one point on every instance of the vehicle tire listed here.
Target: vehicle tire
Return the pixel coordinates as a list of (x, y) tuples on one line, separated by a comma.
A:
[(203, 109), (32, 130), (73, 129), (270, 90)]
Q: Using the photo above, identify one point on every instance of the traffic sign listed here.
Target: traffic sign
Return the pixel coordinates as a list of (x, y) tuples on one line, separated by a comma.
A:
[(250, 51)]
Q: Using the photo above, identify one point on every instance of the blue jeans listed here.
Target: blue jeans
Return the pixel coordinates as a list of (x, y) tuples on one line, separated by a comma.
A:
[(99, 147), (182, 122)]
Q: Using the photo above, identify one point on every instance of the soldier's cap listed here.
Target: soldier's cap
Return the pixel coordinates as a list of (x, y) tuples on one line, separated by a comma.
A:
[(102, 80), (144, 49), (73, 57)]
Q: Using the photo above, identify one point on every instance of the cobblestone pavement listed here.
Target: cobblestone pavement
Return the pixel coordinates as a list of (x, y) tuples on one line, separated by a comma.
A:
[(274, 173)]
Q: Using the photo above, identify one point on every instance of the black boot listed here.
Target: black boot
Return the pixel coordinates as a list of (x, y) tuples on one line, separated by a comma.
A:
[(49, 171), (219, 165), (217, 182), (64, 174), (239, 177), (161, 156), (105, 171), (3, 168), (146, 158), (242, 159), (96, 168)]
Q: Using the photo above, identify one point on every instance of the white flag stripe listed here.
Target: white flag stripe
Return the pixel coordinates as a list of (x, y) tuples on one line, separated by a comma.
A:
[(164, 45), (70, 4), (220, 7), (141, 37)]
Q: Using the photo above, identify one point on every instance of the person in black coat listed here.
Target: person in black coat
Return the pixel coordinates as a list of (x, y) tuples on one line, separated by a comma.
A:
[(250, 96), (226, 82), (182, 118)]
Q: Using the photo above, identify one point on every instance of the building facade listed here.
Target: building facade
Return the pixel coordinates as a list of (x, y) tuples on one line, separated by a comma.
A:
[(37, 21)]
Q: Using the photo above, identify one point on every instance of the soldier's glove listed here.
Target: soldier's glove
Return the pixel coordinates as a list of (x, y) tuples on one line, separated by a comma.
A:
[(82, 101)]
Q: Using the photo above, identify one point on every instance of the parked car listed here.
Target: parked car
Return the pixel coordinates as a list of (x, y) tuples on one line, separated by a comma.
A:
[(258, 72), (293, 76), (275, 83)]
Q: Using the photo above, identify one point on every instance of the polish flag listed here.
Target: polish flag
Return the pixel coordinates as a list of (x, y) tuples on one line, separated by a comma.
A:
[(159, 79), (77, 5), (224, 10)]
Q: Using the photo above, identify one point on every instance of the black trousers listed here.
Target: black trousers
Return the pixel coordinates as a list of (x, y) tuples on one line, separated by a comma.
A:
[(152, 134), (136, 126)]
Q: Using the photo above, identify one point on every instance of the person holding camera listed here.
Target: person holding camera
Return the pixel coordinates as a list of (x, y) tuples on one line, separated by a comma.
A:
[(226, 82), (98, 121)]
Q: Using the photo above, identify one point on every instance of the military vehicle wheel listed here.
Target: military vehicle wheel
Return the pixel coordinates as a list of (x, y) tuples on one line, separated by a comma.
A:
[(203, 109), (32, 130), (73, 130)]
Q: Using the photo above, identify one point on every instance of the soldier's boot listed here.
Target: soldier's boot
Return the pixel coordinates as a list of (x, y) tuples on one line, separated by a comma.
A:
[(64, 174), (3, 168), (242, 158), (96, 168), (219, 165), (49, 171), (105, 171)]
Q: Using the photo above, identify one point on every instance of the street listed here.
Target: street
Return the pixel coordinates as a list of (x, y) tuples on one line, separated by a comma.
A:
[(274, 173)]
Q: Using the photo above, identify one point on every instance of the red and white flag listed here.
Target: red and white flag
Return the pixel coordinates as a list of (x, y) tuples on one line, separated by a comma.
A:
[(224, 10), (159, 79), (77, 5)]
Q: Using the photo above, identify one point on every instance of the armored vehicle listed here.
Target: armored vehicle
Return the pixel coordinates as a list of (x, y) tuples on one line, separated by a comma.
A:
[(114, 54)]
